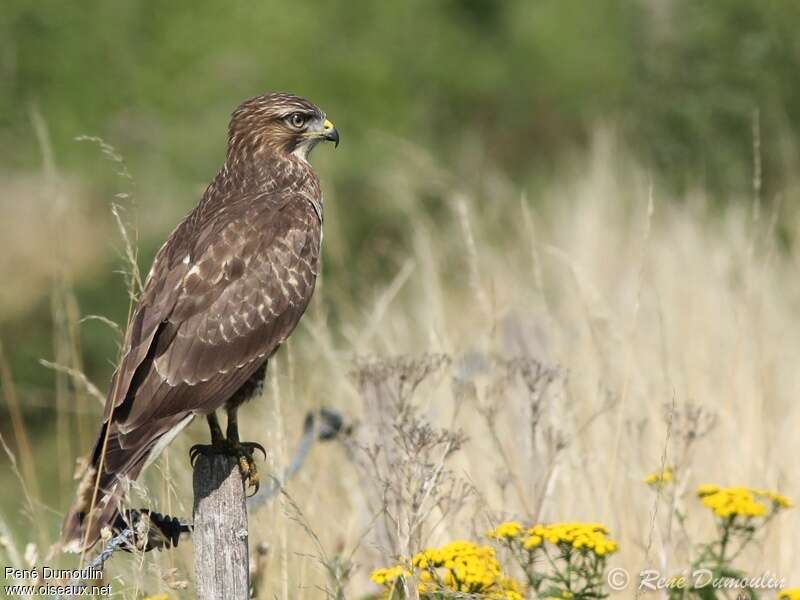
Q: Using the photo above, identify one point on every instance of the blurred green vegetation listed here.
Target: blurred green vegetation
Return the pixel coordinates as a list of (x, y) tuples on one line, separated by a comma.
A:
[(525, 79), (519, 85)]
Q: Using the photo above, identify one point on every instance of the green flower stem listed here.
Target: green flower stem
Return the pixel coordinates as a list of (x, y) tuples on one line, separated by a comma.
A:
[(558, 575), (727, 526)]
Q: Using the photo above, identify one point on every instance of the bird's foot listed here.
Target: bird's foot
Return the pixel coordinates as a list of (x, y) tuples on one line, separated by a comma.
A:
[(243, 451), (247, 464)]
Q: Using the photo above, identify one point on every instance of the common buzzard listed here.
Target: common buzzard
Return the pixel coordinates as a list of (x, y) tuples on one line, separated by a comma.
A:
[(224, 292)]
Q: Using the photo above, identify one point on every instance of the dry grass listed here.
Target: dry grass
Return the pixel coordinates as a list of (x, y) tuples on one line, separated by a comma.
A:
[(583, 344), (42, 239)]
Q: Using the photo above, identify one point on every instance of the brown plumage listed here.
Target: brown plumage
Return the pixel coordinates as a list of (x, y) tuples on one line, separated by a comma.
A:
[(224, 292)]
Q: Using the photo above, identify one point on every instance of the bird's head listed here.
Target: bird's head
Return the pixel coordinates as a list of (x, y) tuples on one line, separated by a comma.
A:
[(278, 124)]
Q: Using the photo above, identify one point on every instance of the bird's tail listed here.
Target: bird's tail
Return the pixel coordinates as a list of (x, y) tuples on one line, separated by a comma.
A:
[(103, 486)]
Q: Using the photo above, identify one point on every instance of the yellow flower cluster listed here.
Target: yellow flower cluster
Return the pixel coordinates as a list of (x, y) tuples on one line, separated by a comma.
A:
[(390, 575), (506, 531), (660, 478), (509, 589), (589, 536), (460, 567), (778, 500), (469, 567), (791, 594), (741, 501)]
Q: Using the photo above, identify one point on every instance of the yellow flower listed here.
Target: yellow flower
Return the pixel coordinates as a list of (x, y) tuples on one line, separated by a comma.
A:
[(532, 541), (779, 500), (510, 589), (592, 537), (741, 501), (790, 594), (660, 478), (157, 597), (388, 576), (508, 531), (707, 489), (504, 595), (465, 567), (459, 566)]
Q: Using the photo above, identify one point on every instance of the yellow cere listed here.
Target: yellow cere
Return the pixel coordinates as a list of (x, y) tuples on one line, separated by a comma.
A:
[(790, 594), (328, 124), (741, 501), (660, 478)]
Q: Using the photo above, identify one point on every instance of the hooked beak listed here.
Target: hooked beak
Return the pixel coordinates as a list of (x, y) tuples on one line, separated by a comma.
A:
[(330, 133)]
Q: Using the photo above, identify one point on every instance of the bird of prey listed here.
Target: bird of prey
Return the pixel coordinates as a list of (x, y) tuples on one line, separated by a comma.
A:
[(224, 292)]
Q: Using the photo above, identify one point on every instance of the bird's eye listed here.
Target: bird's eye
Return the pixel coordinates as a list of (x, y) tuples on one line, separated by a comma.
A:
[(297, 120)]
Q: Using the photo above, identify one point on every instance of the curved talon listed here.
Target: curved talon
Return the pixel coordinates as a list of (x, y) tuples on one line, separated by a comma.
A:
[(255, 446), (196, 451), (242, 450), (247, 467)]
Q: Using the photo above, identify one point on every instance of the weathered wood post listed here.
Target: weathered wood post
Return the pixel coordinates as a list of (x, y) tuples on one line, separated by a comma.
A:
[(221, 560)]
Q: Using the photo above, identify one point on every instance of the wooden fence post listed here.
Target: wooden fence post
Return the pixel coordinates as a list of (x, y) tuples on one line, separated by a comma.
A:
[(221, 560)]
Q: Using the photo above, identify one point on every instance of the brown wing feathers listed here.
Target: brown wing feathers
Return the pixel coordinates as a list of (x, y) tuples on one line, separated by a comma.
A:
[(195, 342)]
